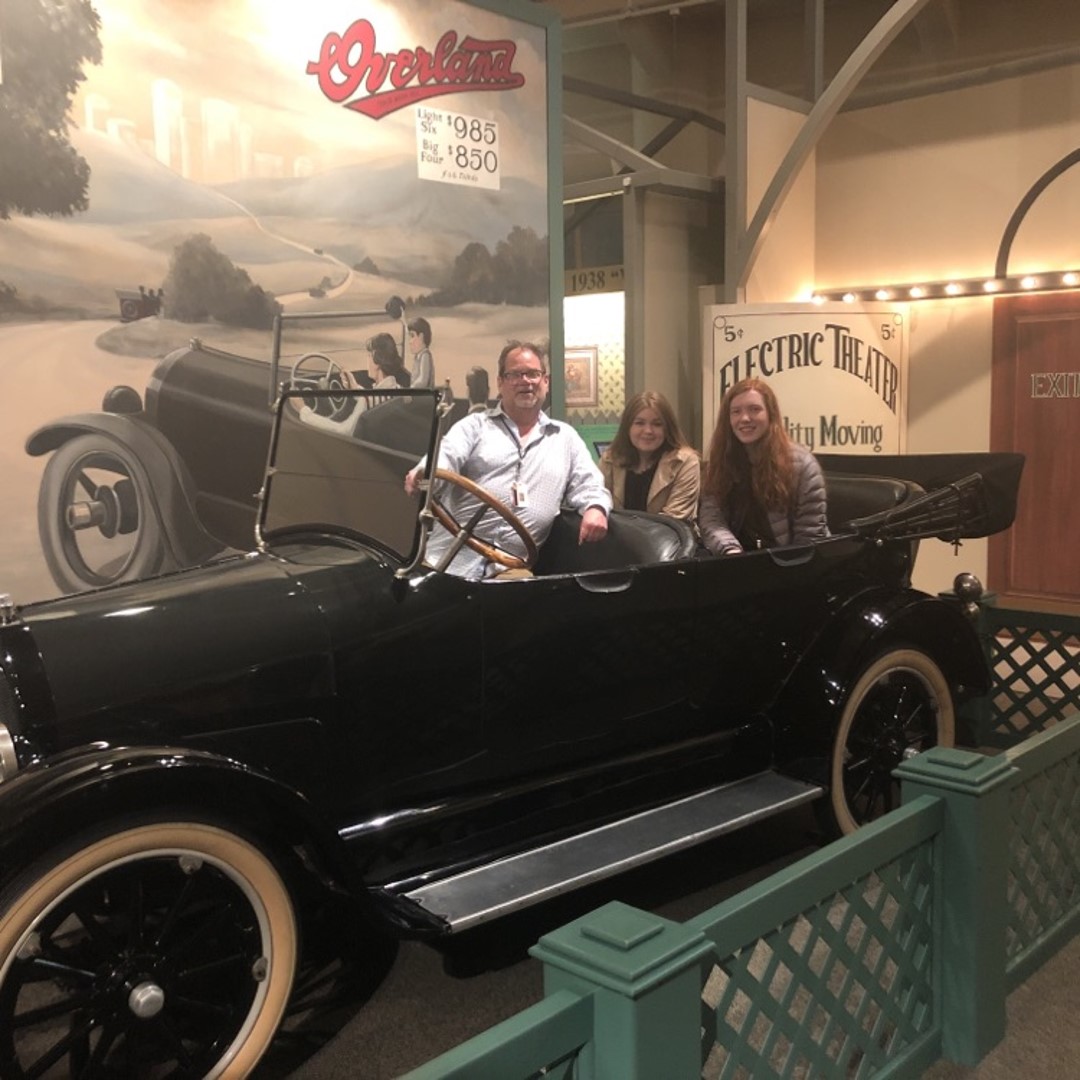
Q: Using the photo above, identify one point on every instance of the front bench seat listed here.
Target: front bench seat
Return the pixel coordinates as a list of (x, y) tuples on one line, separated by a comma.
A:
[(634, 538)]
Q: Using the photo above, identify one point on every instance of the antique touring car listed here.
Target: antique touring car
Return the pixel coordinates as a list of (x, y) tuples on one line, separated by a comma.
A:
[(193, 764)]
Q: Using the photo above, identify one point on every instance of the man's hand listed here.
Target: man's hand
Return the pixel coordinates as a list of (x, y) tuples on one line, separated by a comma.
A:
[(593, 525), (412, 480)]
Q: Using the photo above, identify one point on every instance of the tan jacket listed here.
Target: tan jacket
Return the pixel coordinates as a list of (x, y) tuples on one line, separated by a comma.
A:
[(675, 485)]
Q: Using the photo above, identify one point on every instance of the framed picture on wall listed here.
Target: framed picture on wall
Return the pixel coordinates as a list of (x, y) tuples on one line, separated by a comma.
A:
[(579, 371)]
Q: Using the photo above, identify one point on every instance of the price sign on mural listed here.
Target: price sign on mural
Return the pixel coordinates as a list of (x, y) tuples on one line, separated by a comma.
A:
[(455, 148), (840, 373)]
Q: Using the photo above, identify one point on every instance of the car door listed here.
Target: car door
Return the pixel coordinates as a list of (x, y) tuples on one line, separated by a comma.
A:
[(579, 665)]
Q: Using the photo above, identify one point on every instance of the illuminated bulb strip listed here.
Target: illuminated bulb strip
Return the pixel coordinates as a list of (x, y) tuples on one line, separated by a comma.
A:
[(1049, 281)]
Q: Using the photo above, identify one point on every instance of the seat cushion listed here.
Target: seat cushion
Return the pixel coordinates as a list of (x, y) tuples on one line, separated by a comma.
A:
[(850, 496), (633, 539)]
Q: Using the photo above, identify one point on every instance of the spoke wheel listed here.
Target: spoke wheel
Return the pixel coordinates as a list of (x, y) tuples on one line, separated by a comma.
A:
[(96, 515), (164, 950), (898, 707), (489, 551)]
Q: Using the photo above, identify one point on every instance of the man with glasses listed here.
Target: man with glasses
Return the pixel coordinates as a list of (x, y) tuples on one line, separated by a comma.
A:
[(534, 464)]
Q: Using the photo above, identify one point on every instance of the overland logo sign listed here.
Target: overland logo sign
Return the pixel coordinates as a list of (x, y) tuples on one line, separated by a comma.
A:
[(348, 60)]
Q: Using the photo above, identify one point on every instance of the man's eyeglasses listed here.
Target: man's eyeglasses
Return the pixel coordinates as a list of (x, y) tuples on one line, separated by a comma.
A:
[(524, 375)]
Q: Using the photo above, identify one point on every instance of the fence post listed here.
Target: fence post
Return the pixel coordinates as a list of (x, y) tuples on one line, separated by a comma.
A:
[(973, 869), (645, 975)]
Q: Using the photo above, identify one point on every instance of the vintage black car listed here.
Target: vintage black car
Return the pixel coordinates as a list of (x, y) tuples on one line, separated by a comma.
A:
[(165, 479), (198, 768)]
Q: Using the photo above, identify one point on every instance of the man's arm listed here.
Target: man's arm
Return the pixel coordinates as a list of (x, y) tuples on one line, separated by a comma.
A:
[(585, 490)]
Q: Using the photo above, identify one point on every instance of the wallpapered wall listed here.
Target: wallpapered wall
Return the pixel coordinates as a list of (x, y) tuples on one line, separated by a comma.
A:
[(597, 321)]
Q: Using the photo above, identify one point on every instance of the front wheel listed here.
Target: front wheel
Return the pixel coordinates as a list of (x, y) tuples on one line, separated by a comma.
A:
[(165, 949), (899, 706)]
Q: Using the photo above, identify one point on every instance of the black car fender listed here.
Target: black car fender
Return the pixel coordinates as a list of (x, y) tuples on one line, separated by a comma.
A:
[(808, 705), (171, 490), (92, 786)]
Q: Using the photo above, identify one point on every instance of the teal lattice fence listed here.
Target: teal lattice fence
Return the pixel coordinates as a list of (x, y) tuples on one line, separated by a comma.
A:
[(1035, 660), (1043, 890), (827, 969)]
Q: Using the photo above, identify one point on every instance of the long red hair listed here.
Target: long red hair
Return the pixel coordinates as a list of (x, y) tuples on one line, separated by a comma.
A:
[(771, 474)]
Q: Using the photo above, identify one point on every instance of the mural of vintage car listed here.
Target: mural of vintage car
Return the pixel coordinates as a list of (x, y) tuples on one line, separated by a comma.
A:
[(200, 769), (164, 480)]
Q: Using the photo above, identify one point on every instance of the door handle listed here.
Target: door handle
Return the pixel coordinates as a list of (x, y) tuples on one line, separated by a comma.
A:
[(792, 556), (606, 583)]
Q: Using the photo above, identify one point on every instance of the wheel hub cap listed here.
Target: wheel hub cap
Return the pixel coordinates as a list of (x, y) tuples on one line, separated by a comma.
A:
[(146, 1000)]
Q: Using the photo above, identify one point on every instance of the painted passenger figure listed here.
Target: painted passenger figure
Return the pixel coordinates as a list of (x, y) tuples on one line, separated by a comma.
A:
[(387, 372), (761, 489), (422, 370), (650, 465)]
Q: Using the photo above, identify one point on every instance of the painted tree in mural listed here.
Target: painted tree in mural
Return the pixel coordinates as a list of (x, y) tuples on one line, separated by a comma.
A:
[(203, 283), (516, 274), (43, 47)]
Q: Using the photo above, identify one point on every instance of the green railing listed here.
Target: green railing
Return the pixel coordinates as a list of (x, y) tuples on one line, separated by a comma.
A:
[(1035, 659), (875, 956)]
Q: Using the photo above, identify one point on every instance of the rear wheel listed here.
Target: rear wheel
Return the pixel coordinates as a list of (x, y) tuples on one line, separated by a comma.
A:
[(166, 949), (898, 707)]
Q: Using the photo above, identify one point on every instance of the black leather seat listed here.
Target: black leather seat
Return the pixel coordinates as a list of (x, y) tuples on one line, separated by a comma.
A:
[(633, 539), (850, 496)]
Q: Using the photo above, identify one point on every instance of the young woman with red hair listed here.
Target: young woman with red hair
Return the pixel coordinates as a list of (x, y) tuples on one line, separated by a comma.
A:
[(760, 489)]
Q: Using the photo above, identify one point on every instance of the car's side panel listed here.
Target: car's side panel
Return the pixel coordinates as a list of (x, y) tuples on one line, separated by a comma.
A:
[(575, 659), (214, 407), (757, 613), (406, 660)]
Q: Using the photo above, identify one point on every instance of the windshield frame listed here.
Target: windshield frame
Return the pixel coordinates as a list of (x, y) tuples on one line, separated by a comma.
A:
[(357, 464)]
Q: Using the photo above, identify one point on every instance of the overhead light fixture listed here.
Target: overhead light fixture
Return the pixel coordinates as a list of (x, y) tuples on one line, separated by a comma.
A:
[(1047, 281)]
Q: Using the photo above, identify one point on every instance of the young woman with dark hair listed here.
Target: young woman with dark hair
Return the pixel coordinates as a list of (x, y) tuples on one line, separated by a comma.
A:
[(649, 464)]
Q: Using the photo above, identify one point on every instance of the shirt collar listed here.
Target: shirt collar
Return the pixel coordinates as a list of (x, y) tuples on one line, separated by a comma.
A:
[(543, 421)]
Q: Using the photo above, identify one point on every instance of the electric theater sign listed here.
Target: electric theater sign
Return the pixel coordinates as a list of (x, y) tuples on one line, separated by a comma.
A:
[(839, 371)]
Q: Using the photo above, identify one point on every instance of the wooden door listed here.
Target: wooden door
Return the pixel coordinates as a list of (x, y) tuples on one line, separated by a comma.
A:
[(1035, 410)]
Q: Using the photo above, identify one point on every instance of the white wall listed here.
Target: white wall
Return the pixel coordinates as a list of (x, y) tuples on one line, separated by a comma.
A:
[(785, 268), (923, 190)]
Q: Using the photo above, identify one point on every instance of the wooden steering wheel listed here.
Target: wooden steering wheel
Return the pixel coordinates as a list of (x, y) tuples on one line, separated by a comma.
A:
[(489, 551)]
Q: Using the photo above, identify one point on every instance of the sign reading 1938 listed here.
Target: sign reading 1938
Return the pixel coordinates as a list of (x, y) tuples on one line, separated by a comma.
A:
[(454, 148), (596, 279)]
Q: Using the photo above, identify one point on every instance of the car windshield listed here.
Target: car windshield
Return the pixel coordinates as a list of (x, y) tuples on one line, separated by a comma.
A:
[(338, 461)]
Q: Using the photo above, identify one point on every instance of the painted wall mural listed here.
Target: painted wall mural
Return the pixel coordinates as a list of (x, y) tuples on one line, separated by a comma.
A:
[(186, 169)]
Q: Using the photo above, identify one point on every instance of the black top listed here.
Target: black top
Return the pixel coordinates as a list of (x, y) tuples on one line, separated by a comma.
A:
[(636, 495)]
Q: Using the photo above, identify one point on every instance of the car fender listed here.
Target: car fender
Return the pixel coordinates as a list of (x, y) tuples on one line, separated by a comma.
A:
[(172, 490), (808, 705), (90, 785)]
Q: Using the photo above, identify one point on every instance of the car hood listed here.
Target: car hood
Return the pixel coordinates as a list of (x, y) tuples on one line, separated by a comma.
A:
[(237, 637)]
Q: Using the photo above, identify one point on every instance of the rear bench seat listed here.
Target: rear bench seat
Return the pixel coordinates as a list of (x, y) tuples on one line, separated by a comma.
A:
[(851, 496)]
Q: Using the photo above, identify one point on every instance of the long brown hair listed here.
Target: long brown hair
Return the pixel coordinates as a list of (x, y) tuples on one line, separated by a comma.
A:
[(771, 475), (622, 451)]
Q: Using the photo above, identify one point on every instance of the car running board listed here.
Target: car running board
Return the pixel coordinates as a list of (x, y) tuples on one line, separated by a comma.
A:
[(518, 881)]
